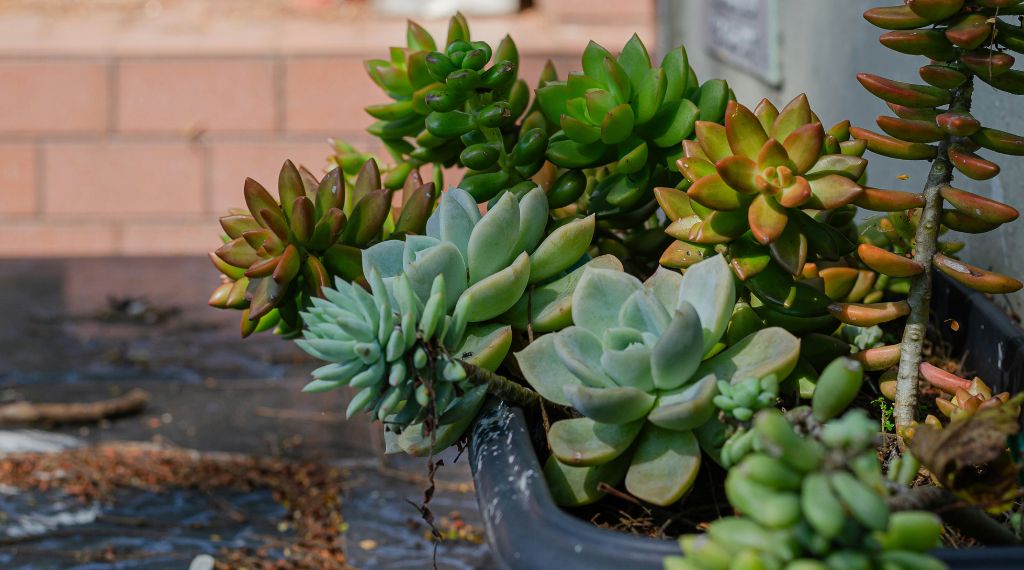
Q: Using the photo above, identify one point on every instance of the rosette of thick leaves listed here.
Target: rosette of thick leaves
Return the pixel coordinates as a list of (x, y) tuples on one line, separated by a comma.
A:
[(457, 104), (279, 254), (776, 189), (434, 300), (396, 349), (628, 115), (632, 365)]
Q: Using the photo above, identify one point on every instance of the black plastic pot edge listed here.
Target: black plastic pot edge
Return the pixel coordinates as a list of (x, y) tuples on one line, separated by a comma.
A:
[(527, 531)]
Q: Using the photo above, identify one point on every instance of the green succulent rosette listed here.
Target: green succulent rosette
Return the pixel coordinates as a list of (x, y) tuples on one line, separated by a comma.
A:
[(457, 104), (625, 117), (281, 252), (633, 364), (436, 302)]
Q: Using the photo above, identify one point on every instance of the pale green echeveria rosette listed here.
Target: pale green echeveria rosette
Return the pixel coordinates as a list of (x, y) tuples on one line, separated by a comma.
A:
[(432, 304), (633, 365)]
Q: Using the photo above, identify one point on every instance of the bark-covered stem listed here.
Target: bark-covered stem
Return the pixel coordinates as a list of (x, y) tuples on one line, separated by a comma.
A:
[(925, 248)]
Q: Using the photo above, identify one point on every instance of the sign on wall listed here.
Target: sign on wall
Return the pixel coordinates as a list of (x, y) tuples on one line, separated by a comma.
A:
[(744, 33)]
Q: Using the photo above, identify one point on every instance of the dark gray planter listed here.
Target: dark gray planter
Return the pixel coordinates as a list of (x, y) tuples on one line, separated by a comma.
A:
[(527, 531)]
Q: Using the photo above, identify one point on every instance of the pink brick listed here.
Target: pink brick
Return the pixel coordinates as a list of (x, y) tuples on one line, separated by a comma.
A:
[(123, 179), (531, 65), (53, 96), (212, 94), (17, 179), (55, 238), (328, 94), (232, 162), (610, 11), (170, 237)]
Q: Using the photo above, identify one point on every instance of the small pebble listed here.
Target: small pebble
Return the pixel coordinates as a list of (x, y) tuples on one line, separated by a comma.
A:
[(202, 562)]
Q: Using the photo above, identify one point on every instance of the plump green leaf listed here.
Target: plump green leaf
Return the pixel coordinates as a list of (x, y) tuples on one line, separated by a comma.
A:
[(561, 249), (489, 249), (533, 217), (599, 296), (665, 284), (582, 441), (709, 287), (619, 405), (442, 259), (580, 352), (643, 312), (576, 486), (678, 352), (769, 351), (685, 408), (544, 371), (384, 257), (485, 345), (626, 359), (664, 467), (497, 293)]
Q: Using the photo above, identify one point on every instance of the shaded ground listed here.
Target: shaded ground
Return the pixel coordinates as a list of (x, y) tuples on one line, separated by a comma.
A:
[(83, 330)]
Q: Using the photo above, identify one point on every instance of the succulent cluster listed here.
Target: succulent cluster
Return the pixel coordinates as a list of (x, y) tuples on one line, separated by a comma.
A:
[(281, 253), (813, 498), (779, 193), (457, 104), (830, 395), (964, 40), (627, 115), (432, 304), (961, 397), (631, 364)]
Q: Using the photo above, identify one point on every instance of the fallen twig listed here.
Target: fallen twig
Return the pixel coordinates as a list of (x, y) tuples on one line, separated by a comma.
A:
[(20, 413)]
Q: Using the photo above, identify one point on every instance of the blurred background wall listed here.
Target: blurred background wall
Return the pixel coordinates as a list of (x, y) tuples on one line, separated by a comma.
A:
[(819, 47), (127, 127)]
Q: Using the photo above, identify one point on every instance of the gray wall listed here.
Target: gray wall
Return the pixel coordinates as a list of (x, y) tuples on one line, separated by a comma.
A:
[(823, 45)]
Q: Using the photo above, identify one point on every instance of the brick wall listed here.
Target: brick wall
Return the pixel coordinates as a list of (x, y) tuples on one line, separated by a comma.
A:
[(136, 147)]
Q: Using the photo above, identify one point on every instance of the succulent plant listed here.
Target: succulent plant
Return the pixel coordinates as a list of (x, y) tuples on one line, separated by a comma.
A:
[(830, 393), (811, 499), (281, 253), (631, 364), (742, 399), (776, 190), (964, 40), (962, 397), (627, 115), (451, 109), (433, 304)]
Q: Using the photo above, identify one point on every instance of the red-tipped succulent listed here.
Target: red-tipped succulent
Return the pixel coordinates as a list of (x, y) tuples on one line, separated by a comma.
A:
[(280, 252)]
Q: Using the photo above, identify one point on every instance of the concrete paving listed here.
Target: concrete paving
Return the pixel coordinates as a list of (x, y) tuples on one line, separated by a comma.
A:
[(85, 330)]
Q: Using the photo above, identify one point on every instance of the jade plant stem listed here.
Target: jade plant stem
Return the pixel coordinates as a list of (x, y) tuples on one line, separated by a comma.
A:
[(925, 247)]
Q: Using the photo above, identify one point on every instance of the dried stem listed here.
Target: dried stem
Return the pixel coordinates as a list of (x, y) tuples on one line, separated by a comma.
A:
[(925, 247)]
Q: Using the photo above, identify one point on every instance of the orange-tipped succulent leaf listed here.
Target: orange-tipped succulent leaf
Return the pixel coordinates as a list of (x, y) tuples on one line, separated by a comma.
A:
[(887, 262), (869, 314), (974, 277)]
